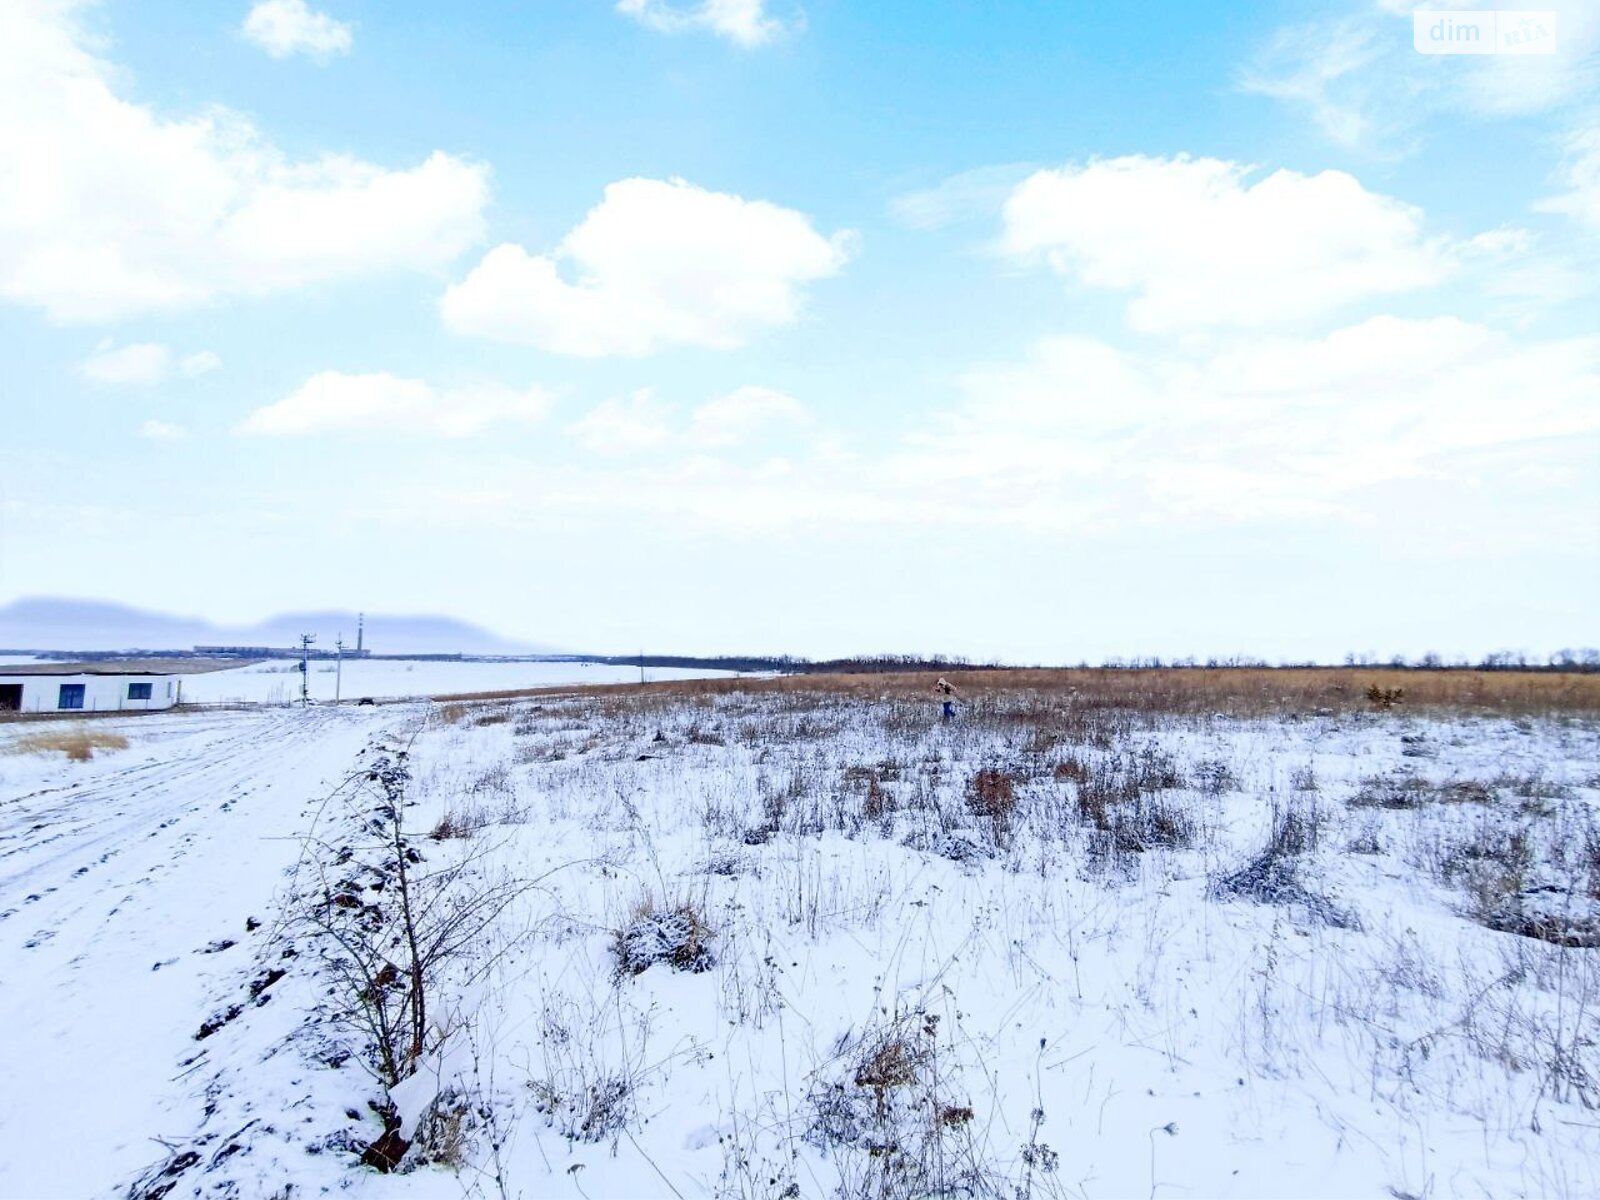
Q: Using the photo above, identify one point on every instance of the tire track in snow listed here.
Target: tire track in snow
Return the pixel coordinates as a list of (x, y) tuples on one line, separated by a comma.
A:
[(105, 815), (112, 905)]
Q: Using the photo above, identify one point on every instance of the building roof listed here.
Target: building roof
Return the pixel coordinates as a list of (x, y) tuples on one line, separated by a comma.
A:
[(141, 666)]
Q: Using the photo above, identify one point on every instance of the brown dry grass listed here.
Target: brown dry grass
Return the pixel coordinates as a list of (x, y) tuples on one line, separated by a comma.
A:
[(77, 744), (1234, 690)]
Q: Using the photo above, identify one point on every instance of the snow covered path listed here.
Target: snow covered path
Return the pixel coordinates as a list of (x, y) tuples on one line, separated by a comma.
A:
[(121, 880)]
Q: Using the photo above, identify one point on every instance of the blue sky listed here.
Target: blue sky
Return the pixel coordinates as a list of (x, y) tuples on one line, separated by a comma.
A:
[(1041, 331)]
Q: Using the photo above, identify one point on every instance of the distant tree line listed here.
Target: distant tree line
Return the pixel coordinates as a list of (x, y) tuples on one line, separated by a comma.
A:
[(1586, 659), (789, 664)]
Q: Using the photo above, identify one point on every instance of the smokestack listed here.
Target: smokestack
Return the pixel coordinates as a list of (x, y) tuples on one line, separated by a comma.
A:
[(361, 622)]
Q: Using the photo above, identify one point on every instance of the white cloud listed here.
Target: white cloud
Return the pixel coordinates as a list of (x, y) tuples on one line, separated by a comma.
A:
[(140, 362), (625, 424), (656, 264), (1255, 428), (163, 431), (640, 422), (108, 209), (202, 362), (1580, 175), (744, 22), (1322, 67), (1508, 85), (1360, 78), (333, 401), (1393, 431), (742, 414), (1200, 242), (966, 196), (285, 27), (144, 362)]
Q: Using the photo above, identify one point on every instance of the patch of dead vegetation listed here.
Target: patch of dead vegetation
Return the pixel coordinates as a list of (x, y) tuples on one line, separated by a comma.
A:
[(1064, 694), (674, 934), (79, 745)]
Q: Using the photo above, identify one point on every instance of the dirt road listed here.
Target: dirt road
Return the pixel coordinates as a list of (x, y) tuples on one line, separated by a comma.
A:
[(123, 882)]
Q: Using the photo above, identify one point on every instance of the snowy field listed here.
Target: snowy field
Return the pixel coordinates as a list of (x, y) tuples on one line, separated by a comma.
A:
[(791, 942), (278, 682)]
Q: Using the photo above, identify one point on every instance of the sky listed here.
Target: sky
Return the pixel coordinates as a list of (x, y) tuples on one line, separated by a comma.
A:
[(1043, 332)]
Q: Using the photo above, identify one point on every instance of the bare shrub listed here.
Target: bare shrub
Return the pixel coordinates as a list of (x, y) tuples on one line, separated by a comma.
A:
[(1070, 769), (1384, 698), (594, 1113), (1214, 777), (1511, 888), (673, 934), (1120, 798), (1535, 794), (1492, 863), (456, 825), (883, 1109), (1547, 914), (1465, 791), (878, 803), (454, 713), (1398, 790), (386, 926), (496, 781), (444, 1131), (992, 797), (1367, 840), (1272, 874), (1591, 859), (886, 770)]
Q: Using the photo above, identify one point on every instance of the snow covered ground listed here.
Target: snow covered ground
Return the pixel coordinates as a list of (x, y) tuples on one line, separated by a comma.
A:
[(802, 943), (278, 682), (123, 882)]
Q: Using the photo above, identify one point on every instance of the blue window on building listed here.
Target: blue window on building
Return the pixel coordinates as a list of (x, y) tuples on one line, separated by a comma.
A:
[(138, 691), (71, 696)]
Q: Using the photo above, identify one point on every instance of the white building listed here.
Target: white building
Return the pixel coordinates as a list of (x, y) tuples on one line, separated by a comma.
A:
[(89, 687)]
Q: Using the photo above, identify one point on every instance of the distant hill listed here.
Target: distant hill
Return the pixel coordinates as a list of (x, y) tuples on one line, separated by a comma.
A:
[(54, 623)]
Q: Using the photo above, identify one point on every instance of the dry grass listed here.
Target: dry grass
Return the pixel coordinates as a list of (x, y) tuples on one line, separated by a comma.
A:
[(676, 935), (1234, 690), (77, 744)]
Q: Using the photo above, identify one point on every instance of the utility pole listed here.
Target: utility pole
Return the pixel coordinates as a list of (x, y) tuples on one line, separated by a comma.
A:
[(338, 667), (641, 666), (306, 640)]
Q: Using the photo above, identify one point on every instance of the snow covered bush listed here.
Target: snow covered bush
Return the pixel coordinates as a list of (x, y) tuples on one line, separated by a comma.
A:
[(673, 934), (886, 1110)]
